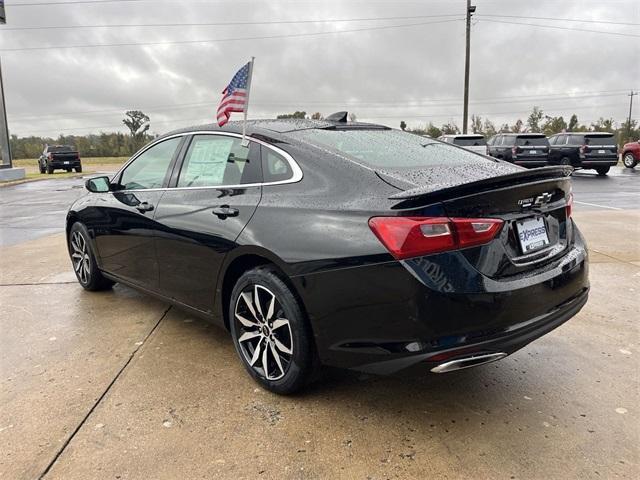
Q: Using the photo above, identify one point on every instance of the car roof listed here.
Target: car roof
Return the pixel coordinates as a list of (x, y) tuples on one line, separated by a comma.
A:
[(267, 127), (526, 134), (463, 135)]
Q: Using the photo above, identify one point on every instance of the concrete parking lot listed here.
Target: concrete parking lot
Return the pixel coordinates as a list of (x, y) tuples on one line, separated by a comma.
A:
[(118, 385)]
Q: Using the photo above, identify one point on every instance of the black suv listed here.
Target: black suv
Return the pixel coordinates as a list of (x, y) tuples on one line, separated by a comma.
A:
[(596, 150), (525, 149), (61, 157)]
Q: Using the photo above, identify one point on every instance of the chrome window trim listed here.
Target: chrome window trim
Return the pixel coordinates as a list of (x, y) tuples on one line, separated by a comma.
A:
[(296, 177)]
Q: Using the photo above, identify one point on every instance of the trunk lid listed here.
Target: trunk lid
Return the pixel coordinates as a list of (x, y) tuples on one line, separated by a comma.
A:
[(526, 200)]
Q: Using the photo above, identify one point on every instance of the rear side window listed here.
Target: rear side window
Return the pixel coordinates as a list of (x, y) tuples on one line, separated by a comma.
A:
[(469, 142), (275, 167), (576, 140), (599, 140), (149, 169), (533, 141), (388, 148), (214, 160)]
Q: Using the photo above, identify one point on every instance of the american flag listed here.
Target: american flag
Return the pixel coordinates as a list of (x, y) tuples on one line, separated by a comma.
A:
[(234, 97)]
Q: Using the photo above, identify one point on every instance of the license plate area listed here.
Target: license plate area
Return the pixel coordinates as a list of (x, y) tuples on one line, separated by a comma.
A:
[(533, 152), (66, 162), (601, 151), (532, 234)]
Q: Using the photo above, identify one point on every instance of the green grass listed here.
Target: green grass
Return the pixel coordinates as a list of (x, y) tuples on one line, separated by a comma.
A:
[(26, 162)]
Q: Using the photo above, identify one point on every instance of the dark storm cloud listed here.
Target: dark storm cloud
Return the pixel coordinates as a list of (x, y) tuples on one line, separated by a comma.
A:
[(367, 70)]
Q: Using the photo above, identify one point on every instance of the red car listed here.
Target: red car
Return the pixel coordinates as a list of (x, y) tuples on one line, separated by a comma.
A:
[(631, 154)]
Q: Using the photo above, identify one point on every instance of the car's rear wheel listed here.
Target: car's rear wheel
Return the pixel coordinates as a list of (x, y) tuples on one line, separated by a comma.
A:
[(84, 261), (78, 169), (270, 332), (602, 170), (565, 161), (629, 161), (49, 170), (41, 167)]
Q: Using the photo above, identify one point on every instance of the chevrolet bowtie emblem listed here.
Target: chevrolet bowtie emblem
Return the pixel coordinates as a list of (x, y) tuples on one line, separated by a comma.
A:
[(535, 201)]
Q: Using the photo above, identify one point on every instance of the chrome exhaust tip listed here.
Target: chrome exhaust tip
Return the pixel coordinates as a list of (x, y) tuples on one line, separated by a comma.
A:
[(467, 362)]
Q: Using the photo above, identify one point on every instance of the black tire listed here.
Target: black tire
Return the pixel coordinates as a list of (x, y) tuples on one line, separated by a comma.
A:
[(78, 169), (68, 170), (49, 170), (602, 171), (629, 161), (268, 337), (565, 161), (41, 167), (83, 260)]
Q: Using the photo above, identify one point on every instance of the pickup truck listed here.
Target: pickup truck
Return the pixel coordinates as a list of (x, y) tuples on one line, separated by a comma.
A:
[(59, 157)]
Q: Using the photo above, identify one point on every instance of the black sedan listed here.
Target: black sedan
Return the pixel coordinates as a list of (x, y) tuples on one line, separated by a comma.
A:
[(338, 243)]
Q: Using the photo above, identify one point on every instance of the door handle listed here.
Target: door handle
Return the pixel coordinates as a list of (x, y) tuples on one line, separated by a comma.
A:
[(225, 211), (144, 207)]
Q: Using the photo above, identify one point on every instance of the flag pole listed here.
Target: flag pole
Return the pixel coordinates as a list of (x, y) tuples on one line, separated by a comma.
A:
[(245, 142)]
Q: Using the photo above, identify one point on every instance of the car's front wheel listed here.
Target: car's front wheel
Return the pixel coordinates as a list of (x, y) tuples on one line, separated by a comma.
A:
[(270, 332), (629, 161), (84, 260)]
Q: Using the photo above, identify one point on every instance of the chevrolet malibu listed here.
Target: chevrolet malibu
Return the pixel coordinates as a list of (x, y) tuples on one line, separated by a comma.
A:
[(338, 243)]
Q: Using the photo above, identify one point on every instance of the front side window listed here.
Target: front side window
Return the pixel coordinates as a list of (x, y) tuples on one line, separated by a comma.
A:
[(150, 168), (214, 160)]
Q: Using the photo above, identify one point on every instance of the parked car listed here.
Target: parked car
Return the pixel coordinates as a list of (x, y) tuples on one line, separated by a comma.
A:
[(338, 243), (474, 142), (631, 154), (592, 150), (63, 157), (526, 149)]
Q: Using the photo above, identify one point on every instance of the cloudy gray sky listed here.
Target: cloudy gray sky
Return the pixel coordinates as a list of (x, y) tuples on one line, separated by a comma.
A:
[(408, 68)]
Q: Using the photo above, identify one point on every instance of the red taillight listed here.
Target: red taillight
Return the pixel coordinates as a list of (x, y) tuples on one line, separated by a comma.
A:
[(407, 237), (514, 150), (49, 156), (583, 149), (569, 206)]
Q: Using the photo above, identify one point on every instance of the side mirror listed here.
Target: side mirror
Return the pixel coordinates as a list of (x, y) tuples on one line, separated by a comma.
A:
[(98, 184)]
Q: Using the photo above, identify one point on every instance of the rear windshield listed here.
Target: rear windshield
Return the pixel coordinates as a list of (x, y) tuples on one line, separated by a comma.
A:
[(534, 141), (388, 148), (469, 142), (599, 140), (61, 149)]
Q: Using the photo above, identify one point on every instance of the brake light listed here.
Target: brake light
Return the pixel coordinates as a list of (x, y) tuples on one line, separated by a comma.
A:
[(49, 156), (583, 149), (569, 207), (514, 150), (407, 237)]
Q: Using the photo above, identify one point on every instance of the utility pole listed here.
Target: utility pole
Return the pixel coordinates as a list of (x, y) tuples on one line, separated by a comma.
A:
[(631, 94), (470, 11), (5, 149)]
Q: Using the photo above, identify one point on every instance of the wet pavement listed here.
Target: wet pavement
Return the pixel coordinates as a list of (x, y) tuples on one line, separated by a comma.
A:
[(118, 385)]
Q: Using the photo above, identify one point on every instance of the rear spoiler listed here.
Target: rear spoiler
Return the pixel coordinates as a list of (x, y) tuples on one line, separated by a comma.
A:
[(478, 186)]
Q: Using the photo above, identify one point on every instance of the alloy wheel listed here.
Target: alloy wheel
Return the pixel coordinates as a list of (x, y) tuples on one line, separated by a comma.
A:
[(264, 333), (80, 257)]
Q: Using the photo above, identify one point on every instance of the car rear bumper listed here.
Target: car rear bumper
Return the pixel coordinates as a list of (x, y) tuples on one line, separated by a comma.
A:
[(385, 317), (62, 164), (598, 162), (531, 163)]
